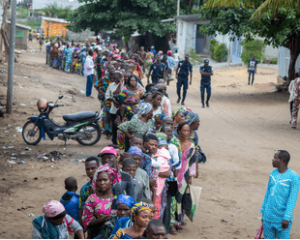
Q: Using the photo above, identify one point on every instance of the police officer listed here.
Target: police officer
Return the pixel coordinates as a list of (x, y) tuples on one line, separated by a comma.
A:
[(182, 77), (206, 72), (159, 70)]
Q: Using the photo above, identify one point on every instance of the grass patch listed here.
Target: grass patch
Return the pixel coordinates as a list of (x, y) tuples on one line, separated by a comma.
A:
[(194, 58), (22, 12), (31, 24)]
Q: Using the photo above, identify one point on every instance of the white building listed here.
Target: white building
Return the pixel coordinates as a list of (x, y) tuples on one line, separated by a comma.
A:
[(188, 35), (40, 4), (236, 48)]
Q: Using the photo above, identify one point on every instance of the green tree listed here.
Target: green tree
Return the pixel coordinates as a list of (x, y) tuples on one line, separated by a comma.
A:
[(125, 17), (254, 47), (279, 25)]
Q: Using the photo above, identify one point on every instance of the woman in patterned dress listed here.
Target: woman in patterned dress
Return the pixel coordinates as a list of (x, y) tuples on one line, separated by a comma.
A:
[(139, 125), (131, 91), (98, 207), (148, 61), (189, 166), (296, 99)]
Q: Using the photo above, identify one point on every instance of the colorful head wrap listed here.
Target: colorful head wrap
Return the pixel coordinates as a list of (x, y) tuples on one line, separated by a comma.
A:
[(162, 141), (159, 116), (113, 174), (125, 199), (119, 99), (175, 112), (138, 207), (144, 108), (155, 89), (117, 71), (53, 208), (169, 52), (161, 135), (191, 117), (135, 151)]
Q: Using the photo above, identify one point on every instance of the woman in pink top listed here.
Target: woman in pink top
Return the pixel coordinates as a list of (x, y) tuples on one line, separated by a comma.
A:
[(98, 207)]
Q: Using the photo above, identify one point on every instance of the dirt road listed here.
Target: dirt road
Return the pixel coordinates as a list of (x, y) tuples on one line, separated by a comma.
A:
[(239, 134)]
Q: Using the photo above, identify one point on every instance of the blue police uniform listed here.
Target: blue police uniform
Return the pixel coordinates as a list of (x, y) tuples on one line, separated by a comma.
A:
[(185, 69), (205, 84), (157, 71)]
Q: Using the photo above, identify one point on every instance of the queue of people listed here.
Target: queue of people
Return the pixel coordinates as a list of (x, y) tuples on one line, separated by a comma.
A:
[(138, 184), (140, 187)]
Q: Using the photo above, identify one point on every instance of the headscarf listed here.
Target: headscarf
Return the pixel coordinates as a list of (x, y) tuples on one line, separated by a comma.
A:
[(191, 117), (144, 108), (161, 135), (159, 116), (53, 208), (118, 71), (169, 52), (119, 99), (125, 199), (113, 174), (155, 89), (135, 151), (146, 95), (138, 207), (162, 141), (175, 112)]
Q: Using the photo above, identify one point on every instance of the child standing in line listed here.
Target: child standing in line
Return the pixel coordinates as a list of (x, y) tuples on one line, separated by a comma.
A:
[(129, 166), (41, 44), (70, 199)]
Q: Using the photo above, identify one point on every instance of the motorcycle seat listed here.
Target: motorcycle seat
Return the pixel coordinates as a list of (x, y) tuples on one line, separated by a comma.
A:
[(78, 116)]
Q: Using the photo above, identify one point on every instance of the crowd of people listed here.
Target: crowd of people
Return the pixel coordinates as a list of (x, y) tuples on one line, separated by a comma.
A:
[(139, 184)]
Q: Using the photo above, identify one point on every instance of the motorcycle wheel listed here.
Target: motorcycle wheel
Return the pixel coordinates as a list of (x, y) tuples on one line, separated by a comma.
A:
[(95, 131), (33, 135)]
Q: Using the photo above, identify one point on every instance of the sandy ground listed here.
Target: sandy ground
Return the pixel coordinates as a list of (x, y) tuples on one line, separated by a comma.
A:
[(239, 134)]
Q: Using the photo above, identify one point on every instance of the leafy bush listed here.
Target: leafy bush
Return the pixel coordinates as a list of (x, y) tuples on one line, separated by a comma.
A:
[(22, 12), (194, 57), (220, 52), (212, 44), (252, 47), (273, 60)]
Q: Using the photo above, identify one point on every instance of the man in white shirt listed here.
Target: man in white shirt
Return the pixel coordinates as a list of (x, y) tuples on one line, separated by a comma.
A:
[(89, 72), (110, 92)]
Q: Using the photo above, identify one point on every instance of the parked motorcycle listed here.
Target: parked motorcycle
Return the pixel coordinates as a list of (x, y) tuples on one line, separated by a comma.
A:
[(82, 127)]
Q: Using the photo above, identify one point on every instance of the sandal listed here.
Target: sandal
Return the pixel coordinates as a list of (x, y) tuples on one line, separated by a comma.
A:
[(173, 230), (183, 223)]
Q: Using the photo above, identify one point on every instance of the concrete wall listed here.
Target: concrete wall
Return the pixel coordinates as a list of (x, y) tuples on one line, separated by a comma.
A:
[(284, 62), (269, 51), (79, 37), (186, 37), (223, 39)]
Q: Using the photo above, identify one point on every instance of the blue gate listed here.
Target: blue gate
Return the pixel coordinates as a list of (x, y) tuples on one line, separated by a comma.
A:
[(236, 50)]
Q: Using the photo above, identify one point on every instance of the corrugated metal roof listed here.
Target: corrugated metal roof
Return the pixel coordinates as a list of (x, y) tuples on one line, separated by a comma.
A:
[(21, 25), (40, 4), (55, 20)]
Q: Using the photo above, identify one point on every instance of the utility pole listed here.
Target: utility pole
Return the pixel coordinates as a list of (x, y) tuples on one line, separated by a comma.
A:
[(11, 64), (178, 7)]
